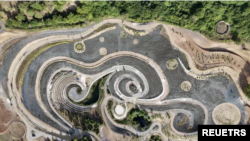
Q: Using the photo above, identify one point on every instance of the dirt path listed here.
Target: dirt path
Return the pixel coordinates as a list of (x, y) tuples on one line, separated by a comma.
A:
[(5, 118)]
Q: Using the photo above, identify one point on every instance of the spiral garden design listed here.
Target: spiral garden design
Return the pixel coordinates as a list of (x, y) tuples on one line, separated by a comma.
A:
[(64, 84)]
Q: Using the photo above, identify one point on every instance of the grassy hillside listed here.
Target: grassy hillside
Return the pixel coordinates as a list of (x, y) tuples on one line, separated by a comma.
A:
[(198, 16)]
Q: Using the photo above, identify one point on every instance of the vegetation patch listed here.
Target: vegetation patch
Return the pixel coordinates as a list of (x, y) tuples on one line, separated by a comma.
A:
[(157, 117), (84, 138), (172, 64), (247, 90), (123, 34), (137, 118), (155, 138), (201, 16), (79, 47), (109, 107), (85, 121), (133, 31)]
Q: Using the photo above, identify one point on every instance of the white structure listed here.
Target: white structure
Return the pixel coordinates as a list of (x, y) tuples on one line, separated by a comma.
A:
[(119, 110)]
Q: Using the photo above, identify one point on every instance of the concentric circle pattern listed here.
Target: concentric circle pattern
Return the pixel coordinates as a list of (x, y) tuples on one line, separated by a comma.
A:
[(226, 114)]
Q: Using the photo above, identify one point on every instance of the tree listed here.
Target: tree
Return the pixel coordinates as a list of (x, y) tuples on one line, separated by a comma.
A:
[(30, 12), (247, 90), (20, 17), (38, 15), (38, 6), (84, 9), (87, 3), (59, 5), (23, 6)]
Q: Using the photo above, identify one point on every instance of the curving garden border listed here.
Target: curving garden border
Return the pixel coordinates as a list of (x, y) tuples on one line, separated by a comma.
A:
[(34, 45)]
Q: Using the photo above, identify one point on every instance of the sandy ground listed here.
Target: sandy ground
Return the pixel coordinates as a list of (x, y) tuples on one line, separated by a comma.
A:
[(5, 118), (7, 137), (8, 35)]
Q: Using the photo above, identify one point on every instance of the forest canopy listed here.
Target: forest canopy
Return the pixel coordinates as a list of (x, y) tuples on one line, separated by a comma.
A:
[(193, 15)]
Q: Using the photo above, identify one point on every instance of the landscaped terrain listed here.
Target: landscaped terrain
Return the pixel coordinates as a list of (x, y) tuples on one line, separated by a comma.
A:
[(120, 80)]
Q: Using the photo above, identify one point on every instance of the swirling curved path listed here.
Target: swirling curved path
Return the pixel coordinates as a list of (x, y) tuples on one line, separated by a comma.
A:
[(154, 64)]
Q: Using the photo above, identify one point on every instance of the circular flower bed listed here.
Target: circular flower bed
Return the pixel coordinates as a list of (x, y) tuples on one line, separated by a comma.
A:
[(172, 64), (79, 47), (186, 86), (103, 51)]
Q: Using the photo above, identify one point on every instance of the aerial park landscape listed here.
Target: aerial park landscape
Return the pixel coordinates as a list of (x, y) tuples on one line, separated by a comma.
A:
[(118, 79)]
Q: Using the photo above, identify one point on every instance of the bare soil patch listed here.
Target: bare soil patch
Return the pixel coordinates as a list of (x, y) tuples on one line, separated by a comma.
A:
[(5, 118), (8, 35), (7, 137)]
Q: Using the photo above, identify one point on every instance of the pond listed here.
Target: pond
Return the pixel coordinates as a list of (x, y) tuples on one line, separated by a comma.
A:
[(94, 95), (142, 122)]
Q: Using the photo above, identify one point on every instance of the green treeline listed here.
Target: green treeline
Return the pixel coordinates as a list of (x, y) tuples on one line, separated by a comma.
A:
[(194, 15)]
